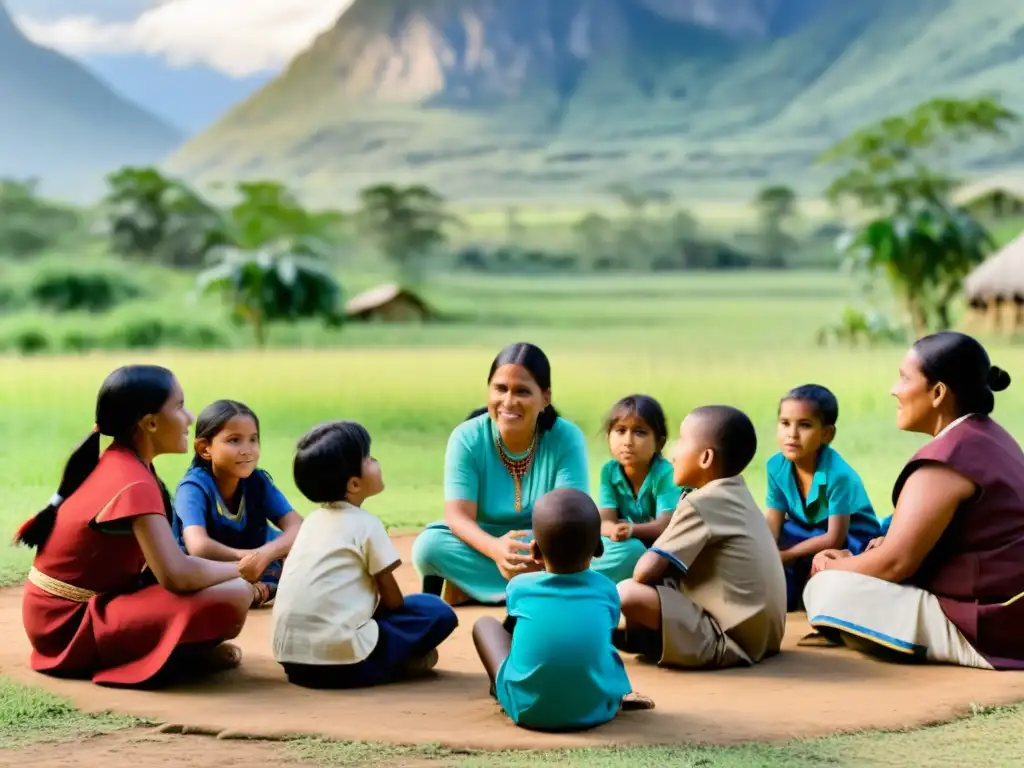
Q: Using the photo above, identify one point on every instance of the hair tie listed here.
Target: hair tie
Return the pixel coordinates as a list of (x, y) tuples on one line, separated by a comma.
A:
[(56, 500)]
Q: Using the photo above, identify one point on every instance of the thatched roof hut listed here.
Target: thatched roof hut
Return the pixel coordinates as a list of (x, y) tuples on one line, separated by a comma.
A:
[(996, 197), (999, 277), (388, 303)]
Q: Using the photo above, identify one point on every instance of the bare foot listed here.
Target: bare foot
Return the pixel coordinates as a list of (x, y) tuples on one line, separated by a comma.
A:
[(452, 595), (636, 701), (222, 657)]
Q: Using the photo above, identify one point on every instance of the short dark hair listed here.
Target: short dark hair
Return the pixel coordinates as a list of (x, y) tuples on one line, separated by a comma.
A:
[(566, 526), (961, 363), (647, 409), (327, 457), (730, 432), (825, 404)]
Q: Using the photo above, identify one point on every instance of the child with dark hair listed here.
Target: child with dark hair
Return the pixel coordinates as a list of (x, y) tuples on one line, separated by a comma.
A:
[(552, 665), (816, 501), (340, 619), (637, 494), (223, 505), (710, 593)]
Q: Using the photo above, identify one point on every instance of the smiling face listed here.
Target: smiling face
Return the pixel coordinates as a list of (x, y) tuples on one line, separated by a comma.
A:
[(918, 401), (235, 450), (515, 401), (800, 433), (167, 429)]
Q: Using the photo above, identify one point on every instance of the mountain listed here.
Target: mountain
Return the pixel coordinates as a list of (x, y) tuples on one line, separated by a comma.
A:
[(528, 99), (63, 125)]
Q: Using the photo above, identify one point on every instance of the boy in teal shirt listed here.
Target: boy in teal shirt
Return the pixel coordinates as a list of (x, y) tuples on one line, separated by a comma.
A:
[(552, 665), (816, 501)]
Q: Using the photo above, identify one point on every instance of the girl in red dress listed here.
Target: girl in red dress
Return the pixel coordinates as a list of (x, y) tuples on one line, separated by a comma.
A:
[(90, 607)]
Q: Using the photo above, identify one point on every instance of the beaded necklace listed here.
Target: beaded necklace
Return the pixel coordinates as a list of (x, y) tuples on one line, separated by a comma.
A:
[(517, 467)]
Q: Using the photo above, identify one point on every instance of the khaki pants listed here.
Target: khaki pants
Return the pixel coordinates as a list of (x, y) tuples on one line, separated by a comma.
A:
[(886, 619), (691, 638)]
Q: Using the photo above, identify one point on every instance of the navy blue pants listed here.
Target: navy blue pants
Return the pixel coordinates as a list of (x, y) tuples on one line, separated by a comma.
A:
[(418, 627), (799, 571)]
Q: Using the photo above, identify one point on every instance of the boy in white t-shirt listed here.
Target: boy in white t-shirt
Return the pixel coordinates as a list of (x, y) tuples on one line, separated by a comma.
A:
[(340, 619)]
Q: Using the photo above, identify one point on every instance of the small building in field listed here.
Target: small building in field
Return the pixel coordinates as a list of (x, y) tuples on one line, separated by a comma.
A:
[(995, 289), (388, 303), (992, 198)]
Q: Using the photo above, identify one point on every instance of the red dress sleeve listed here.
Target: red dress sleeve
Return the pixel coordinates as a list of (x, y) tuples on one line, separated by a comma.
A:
[(137, 497)]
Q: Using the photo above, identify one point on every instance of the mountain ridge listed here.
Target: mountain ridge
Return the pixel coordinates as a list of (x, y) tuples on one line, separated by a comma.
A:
[(66, 126)]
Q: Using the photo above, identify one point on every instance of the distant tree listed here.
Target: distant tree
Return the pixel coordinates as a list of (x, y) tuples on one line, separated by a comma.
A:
[(926, 250), (150, 217), (596, 237), (894, 163), (407, 224), (271, 285), (918, 239), (30, 224), (776, 206)]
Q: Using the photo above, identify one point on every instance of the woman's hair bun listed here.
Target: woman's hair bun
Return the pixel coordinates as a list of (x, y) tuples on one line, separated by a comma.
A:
[(998, 379)]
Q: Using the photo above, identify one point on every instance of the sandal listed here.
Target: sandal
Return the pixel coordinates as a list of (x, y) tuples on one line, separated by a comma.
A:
[(263, 595), (636, 701)]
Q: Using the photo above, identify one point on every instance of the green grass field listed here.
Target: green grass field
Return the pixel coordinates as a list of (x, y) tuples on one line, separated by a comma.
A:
[(742, 339)]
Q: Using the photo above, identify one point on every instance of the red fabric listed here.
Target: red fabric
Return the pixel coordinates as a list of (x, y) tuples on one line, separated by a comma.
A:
[(978, 563), (125, 634)]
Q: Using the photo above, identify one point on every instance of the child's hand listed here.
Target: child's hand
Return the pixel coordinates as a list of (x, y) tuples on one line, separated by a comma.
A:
[(621, 532), (822, 559), (252, 566), (874, 543)]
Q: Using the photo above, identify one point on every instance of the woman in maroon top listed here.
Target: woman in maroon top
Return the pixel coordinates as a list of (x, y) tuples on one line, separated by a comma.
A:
[(946, 584)]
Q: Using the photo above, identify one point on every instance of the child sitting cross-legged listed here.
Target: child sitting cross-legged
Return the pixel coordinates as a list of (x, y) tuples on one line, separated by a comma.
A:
[(552, 665), (340, 619), (710, 592)]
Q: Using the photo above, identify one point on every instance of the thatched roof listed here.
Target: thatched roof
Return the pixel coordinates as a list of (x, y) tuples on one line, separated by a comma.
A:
[(1001, 275), (380, 296), (969, 194)]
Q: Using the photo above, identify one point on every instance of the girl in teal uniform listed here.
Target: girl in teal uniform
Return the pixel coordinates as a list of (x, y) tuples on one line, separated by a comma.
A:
[(498, 462), (637, 495), (552, 665)]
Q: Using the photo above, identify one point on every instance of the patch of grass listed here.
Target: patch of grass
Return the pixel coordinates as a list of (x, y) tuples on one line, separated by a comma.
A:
[(988, 739), (30, 715)]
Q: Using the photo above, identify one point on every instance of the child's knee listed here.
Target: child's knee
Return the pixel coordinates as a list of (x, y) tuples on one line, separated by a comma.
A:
[(485, 625)]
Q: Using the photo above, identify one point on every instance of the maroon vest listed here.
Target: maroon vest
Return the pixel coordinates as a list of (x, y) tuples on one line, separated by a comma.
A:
[(978, 563)]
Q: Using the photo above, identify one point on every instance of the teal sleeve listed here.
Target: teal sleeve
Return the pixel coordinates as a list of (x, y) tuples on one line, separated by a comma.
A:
[(606, 497), (846, 496), (775, 498), (461, 472), (573, 471), (668, 494)]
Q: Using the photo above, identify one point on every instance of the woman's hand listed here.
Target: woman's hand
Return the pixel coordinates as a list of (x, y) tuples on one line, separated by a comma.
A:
[(821, 560), (512, 555), (876, 542)]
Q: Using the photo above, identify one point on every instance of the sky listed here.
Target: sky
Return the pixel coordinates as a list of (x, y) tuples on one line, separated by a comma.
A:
[(185, 60)]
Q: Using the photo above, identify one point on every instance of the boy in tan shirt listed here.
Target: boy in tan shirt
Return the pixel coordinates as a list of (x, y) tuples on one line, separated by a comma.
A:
[(711, 592)]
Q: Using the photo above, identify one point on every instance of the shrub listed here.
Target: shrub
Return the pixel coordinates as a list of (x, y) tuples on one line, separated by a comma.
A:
[(141, 332), (87, 290)]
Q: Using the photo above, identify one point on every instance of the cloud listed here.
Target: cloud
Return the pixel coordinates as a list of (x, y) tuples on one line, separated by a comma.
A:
[(237, 37)]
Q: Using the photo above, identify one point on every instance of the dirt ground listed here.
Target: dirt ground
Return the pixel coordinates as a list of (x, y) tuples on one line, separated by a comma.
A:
[(803, 692)]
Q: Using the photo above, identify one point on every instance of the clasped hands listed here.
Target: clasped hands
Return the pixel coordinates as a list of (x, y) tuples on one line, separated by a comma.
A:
[(253, 563)]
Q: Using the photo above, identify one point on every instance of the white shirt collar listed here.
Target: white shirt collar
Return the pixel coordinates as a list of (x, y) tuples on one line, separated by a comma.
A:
[(954, 423)]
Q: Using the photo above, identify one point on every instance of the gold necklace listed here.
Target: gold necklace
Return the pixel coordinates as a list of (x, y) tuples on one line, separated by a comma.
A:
[(517, 467)]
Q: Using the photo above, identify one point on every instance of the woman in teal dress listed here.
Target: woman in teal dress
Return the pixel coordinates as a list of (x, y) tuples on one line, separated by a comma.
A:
[(498, 462)]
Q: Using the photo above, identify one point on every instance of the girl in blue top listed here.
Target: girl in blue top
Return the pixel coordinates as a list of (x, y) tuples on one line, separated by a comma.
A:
[(637, 495), (498, 462), (552, 665), (816, 501), (223, 504)]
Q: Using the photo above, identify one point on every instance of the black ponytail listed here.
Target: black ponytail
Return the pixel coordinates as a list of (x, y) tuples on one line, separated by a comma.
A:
[(546, 419), (126, 396), (80, 464)]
